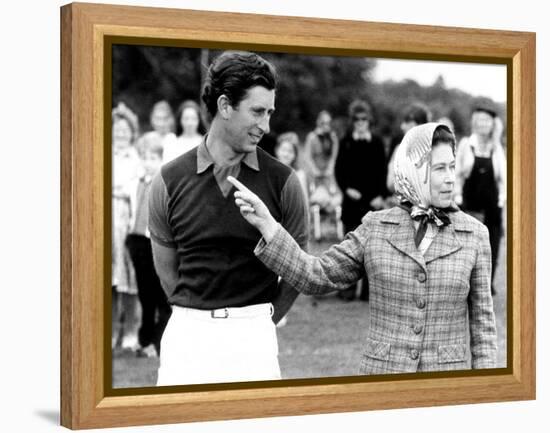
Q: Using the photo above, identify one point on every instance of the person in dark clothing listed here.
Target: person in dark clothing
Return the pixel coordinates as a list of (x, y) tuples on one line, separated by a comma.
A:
[(361, 175)]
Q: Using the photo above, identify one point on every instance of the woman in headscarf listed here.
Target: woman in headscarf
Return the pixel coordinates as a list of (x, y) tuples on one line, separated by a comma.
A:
[(428, 264)]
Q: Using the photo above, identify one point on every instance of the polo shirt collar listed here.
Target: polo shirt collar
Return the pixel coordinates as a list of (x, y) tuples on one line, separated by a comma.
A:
[(204, 159)]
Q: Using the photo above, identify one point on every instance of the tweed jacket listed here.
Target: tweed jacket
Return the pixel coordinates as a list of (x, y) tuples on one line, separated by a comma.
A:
[(422, 307)]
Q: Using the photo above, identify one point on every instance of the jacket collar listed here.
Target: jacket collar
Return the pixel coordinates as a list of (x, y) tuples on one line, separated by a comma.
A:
[(445, 243)]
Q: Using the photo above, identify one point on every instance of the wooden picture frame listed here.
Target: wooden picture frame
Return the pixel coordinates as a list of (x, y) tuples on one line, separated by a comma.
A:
[(86, 400)]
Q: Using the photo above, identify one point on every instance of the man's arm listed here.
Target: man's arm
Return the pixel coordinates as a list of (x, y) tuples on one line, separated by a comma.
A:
[(166, 266), (295, 220), (162, 241), (286, 295)]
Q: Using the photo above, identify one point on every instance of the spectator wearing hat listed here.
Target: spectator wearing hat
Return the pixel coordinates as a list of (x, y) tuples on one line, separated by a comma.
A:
[(481, 173)]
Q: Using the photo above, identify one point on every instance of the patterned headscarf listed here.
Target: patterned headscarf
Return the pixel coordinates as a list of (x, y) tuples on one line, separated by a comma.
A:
[(412, 178)]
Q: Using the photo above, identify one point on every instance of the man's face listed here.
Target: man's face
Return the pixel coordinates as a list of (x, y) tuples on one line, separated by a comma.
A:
[(442, 175), (249, 120)]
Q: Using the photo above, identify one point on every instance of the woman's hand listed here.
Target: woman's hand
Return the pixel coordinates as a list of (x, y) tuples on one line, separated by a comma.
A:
[(254, 210)]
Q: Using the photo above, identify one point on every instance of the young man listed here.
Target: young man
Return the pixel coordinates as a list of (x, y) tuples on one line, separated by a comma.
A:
[(222, 329)]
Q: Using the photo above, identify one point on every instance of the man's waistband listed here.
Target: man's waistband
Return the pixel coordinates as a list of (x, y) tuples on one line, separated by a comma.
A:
[(257, 310)]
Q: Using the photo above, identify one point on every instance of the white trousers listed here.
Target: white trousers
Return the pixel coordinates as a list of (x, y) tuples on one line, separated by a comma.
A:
[(225, 345)]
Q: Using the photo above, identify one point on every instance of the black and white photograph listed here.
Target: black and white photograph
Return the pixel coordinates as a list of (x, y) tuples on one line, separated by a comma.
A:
[(291, 216)]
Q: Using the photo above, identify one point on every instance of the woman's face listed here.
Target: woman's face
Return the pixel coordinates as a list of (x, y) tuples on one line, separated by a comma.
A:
[(190, 120), (442, 175), (323, 123), (161, 121), (122, 134), (482, 123), (285, 153)]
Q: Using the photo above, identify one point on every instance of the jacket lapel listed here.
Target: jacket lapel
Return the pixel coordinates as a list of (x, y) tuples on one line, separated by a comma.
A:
[(402, 237), (444, 243)]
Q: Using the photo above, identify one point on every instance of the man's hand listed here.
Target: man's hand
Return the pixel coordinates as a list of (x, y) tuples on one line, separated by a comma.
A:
[(254, 210)]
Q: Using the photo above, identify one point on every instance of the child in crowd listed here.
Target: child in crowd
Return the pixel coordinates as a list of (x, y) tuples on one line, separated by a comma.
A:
[(155, 308)]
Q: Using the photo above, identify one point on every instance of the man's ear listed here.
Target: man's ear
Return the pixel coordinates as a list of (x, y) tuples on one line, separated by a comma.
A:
[(224, 107)]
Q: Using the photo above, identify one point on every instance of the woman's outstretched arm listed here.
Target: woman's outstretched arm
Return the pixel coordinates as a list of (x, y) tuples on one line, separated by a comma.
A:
[(337, 269)]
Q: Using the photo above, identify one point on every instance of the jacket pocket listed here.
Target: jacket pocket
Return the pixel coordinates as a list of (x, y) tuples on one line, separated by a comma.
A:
[(451, 353), (377, 349)]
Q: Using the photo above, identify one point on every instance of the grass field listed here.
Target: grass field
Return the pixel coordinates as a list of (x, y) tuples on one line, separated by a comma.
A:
[(323, 337)]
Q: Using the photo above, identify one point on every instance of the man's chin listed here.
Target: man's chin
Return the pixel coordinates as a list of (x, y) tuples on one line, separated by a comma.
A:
[(250, 147)]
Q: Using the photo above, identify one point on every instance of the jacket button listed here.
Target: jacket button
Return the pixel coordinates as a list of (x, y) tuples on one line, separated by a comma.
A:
[(421, 277), (414, 354), (420, 303), (417, 328)]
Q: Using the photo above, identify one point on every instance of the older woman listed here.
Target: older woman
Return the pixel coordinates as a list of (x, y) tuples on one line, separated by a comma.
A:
[(429, 266)]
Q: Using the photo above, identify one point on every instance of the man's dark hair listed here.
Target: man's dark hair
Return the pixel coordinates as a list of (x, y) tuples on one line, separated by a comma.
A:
[(359, 106), (232, 74), (417, 113)]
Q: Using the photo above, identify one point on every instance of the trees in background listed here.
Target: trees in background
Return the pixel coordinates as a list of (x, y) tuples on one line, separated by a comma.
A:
[(307, 84)]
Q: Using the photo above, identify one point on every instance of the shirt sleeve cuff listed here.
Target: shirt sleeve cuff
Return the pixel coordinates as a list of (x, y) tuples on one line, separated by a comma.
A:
[(163, 242), (262, 246)]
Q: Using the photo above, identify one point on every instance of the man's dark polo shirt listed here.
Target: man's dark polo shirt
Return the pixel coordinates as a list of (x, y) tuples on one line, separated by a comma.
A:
[(192, 209)]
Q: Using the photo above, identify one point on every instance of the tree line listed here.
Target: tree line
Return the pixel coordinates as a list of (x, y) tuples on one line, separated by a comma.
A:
[(143, 75)]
